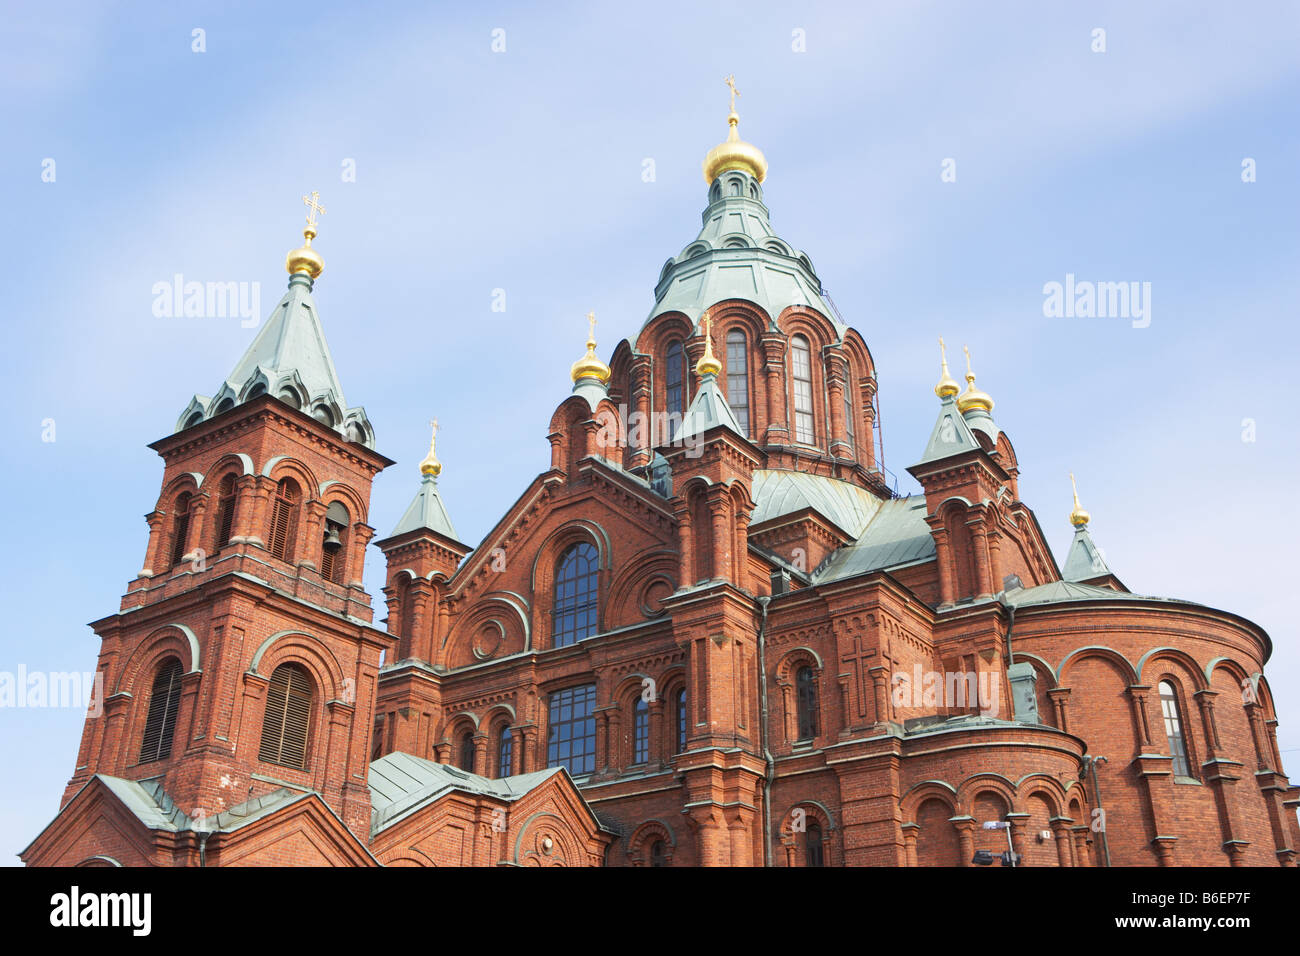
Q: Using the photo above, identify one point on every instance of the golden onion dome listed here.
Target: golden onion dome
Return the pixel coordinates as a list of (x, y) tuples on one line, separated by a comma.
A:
[(305, 258), (708, 363), (973, 398), (734, 153), (1078, 517), (947, 386), (590, 365), (431, 465)]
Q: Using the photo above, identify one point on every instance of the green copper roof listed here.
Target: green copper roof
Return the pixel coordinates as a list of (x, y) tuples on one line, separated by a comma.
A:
[(401, 784), (737, 255), (980, 420), (708, 410), (289, 359), (426, 512), (1060, 592), (847, 505), (951, 435), (897, 535), (1084, 560)]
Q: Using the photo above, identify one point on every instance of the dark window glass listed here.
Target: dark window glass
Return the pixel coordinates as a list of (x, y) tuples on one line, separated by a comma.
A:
[(575, 595), (801, 367), (850, 414), (160, 723), (673, 378), (738, 377), (467, 752), (505, 752), (288, 718), (681, 720), (180, 528), (813, 846), (640, 731), (1174, 729), (657, 857), (571, 730), (806, 691)]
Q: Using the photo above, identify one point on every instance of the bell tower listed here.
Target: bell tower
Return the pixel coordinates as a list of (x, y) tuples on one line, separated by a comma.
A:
[(242, 659)]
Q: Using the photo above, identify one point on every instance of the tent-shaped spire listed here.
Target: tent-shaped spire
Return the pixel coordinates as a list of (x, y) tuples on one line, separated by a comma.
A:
[(289, 358), (1084, 562), (708, 408), (951, 435), (427, 512)]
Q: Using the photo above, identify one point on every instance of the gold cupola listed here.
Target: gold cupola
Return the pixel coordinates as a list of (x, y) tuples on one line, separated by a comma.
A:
[(735, 153), (306, 259), (431, 466), (947, 386), (708, 363), (972, 398), (1078, 517), (590, 365)]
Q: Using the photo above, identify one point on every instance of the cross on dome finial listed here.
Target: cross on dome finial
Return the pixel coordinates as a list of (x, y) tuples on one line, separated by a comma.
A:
[(590, 365), (305, 259), (708, 363), (947, 386), (972, 398), (591, 329), (1078, 517), (730, 80), (734, 153), (431, 466)]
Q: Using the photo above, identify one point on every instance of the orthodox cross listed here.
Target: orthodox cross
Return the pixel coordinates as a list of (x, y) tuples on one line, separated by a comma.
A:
[(943, 352), (859, 658), (313, 205), (591, 326), (708, 336), (731, 82)]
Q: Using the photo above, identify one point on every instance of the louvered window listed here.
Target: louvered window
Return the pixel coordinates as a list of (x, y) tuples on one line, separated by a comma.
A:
[(225, 511), (160, 724), (806, 692), (738, 378), (334, 545), (288, 718), (801, 367), (180, 528), (284, 520)]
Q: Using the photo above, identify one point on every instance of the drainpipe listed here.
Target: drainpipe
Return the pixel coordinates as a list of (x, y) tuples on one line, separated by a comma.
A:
[(203, 847), (1096, 792), (770, 772)]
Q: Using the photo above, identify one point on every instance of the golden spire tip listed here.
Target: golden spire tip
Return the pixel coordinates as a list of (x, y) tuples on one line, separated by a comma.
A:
[(431, 465), (1078, 517), (708, 363)]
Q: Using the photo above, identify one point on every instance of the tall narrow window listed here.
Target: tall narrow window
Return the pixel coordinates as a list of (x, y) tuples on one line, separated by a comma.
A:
[(850, 416), (225, 511), (680, 712), (738, 377), (467, 751), (813, 853), (288, 718), (160, 724), (180, 528), (805, 683), (571, 730), (801, 371), (575, 595), (333, 547), (673, 378), (505, 752), (657, 856), (640, 731), (284, 520), (1174, 729)]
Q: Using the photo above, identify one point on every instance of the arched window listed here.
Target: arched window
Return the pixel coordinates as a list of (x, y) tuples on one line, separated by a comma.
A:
[(657, 857), (284, 519), (801, 372), (575, 595), (164, 701), (288, 718), (673, 385), (467, 751), (505, 751), (738, 377), (680, 719), (333, 548), (225, 512), (850, 415), (640, 731), (1174, 729), (180, 528), (805, 682), (813, 853)]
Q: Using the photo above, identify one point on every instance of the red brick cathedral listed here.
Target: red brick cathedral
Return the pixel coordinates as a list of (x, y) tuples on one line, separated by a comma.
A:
[(707, 634)]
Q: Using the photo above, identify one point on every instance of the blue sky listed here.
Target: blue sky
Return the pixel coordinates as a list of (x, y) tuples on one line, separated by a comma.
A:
[(522, 170)]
